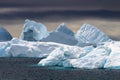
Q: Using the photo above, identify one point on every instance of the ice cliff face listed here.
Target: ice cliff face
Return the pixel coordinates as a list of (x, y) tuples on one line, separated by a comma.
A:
[(33, 31), (90, 34), (62, 35)]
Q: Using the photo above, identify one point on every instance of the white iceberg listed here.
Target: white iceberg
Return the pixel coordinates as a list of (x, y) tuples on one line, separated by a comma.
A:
[(62, 35), (21, 48), (33, 31), (61, 54), (94, 59), (90, 35), (87, 57), (59, 48), (113, 60)]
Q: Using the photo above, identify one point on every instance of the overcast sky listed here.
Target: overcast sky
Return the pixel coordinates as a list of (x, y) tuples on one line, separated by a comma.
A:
[(61, 4)]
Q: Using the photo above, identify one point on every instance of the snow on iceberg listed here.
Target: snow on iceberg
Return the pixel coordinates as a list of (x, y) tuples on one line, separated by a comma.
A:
[(113, 60), (33, 31), (90, 34), (62, 35)]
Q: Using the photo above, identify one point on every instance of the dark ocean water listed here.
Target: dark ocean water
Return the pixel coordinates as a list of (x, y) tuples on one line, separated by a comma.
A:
[(21, 69)]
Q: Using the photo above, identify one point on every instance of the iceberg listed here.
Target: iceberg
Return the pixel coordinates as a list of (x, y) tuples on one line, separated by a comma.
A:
[(33, 31), (58, 56), (94, 59), (21, 48), (91, 35), (90, 48), (64, 29), (62, 35), (59, 37), (88, 57), (113, 60), (3, 49), (4, 35)]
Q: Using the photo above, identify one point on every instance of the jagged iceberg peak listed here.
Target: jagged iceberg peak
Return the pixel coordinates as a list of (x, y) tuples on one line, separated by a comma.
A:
[(33, 31), (63, 28), (62, 35), (91, 34)]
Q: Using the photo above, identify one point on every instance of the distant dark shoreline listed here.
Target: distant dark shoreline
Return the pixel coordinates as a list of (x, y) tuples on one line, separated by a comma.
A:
[(106, 14)]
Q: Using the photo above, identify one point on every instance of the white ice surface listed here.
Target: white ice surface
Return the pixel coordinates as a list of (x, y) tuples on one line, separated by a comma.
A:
[(21, 48), (86, 57), (61, 54), (113, 61)]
